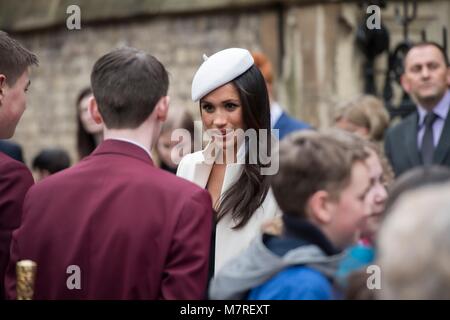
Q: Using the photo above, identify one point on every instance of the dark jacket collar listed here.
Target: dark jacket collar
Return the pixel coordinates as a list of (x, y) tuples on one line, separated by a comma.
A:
[(308, 233), (165, 167), (111, 146)]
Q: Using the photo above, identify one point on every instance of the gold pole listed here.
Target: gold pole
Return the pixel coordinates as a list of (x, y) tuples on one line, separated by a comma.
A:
[(26, 275)]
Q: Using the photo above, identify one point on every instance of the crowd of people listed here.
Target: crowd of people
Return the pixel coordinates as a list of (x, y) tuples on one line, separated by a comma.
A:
[(139, 224)]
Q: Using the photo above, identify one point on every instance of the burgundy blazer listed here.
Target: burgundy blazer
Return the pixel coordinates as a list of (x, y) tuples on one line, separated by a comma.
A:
[(15, 180), (133, 230)]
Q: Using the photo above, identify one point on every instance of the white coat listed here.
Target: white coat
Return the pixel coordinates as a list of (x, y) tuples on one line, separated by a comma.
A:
[(196, 167)]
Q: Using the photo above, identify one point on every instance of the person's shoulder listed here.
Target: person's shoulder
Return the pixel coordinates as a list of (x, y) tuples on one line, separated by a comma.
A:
[(191, 158), (169, 186), (10, 146), (294, 123), (53, 184), (10, 166), (172, 179), (167, 183), (402, 125), (295, 283), (188, 162), (305, 273)]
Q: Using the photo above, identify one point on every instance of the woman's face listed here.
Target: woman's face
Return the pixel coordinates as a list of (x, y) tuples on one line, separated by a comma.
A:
[(221, 112), (171, 151), (377, 194), (164, 148), (86, 119), (349, 126)]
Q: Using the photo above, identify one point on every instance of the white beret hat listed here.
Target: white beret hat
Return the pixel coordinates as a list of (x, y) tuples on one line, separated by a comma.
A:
[(219, 69)]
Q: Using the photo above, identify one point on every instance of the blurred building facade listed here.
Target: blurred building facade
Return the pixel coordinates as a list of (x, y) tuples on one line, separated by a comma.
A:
[(311, 43)]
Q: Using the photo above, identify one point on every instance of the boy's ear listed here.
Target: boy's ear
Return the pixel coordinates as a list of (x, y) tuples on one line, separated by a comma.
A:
[(162, 108), (319, 207), (2, 87), (93, 110)]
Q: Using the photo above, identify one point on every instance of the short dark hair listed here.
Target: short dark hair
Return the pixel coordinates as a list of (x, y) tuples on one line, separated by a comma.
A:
[(52, 160), (127, 84), (309, 162), (14, 58), (424, 44)]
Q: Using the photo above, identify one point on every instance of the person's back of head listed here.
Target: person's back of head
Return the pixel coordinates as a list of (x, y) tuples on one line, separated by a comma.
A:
[(15, 61), (417, 178), (127, 84), (50, 161), (414, 246), (365, 115), (372, 146), (313, 163)]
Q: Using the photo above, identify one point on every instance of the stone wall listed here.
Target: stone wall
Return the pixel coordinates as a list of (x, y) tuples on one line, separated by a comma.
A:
[(314, 53), (67, 57)]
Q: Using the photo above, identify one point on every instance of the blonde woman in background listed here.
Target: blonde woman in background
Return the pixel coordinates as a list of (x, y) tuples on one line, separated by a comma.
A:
[(367, 117), (364, 115)]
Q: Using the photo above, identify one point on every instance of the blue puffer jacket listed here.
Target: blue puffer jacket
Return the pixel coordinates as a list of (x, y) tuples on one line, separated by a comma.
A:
[(300, 264)]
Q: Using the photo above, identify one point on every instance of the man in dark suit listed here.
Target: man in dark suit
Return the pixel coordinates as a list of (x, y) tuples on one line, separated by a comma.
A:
[(15, 178), (279, 119), (11, 149), (114, 226), (423, 138)]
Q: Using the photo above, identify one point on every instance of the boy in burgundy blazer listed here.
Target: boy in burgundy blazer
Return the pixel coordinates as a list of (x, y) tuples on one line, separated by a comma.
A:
[(114, 226), (15, 178)]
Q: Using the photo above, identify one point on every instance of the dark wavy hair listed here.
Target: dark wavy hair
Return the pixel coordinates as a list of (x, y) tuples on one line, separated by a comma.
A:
[(250, 190), (85, 141)]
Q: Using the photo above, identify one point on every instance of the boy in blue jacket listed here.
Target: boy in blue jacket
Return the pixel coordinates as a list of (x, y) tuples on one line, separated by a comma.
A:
[(321, 188)]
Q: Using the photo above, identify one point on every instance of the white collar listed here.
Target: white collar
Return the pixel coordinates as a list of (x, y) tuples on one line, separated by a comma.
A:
[(135, 143)]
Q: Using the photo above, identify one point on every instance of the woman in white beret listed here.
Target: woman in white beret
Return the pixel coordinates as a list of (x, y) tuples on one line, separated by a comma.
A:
[(233, 99)]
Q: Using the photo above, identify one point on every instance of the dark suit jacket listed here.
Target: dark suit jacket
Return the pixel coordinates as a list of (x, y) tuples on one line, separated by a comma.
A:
[(11, 149), (401, 145), (134, 230), (15, 180), (286, 124)]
